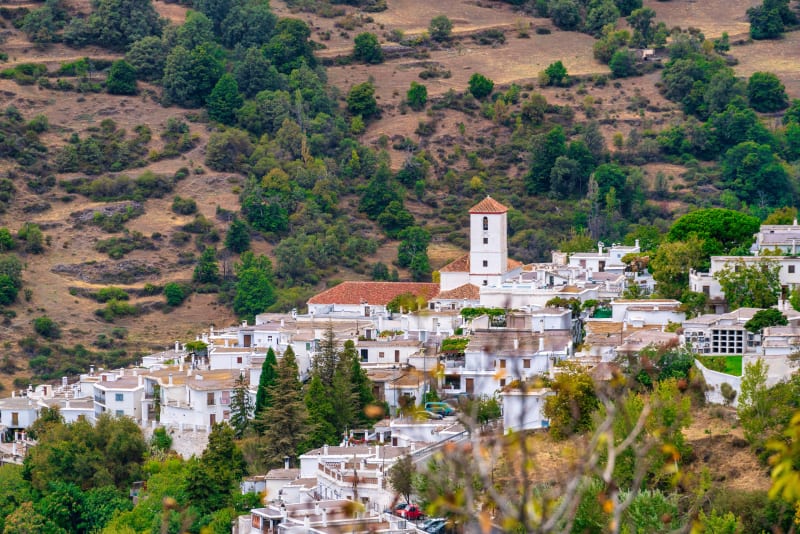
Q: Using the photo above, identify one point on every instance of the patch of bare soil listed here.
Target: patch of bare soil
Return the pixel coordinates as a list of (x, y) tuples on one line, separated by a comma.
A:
[(712, 17), (779, 56)]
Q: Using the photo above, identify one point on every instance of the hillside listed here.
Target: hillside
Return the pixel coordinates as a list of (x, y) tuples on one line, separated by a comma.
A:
[(470, 148)]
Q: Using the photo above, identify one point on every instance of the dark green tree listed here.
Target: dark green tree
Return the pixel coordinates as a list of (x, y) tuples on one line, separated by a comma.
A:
[(545, 150), (255, 74), (321, 415), (723, 231), (672, 262), (641, 20), (285, 422), (572, 407), (237, 240), (224, 100), (764, 318), (756, 175), (766, 93), (480, 86), (241, 407), (327, 357), (196, 30), (207, 270), (623, 64), (556, 74), (413, 241), (626, 7), (255, 288), (379, 193), (216, 10), (290, 48), (121, 78), (395, 218), (361, 100), (266, 382), (248, 24), (440, 28), (600, 14), (115, 24), (175, 293), (148, 56), (417, 96), (367, 48), (566, 14)]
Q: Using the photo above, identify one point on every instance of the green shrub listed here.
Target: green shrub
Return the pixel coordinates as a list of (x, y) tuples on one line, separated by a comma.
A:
[(110, 293), (46, 327), (184, 206), (175, 293)]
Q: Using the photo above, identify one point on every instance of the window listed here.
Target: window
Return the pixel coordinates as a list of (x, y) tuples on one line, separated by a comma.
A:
[(226, 397), (485, 240), (526, 364), (238, 359), (269, 340), (210, 401), (119, 397), (486, 282), (485, 263), (119, 413), (486, 223), (791, 269), (364, 355), (381, 355), (502, 364), (502, 382)]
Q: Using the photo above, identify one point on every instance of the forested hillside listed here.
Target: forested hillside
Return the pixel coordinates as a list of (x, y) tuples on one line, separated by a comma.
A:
[(213, 159)]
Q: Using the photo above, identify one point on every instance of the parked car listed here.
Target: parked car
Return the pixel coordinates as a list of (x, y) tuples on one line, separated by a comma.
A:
[(439, 407), (430, 415), (431, 523), (412, 512), (399, 507)]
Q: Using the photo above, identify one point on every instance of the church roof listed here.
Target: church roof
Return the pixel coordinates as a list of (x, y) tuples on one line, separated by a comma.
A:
[(461, 265), (467, 291), (488, 205), (458, 265), (372, 292)]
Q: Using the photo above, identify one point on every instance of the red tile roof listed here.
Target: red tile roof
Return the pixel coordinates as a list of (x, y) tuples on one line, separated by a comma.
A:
[(372, 292), (467, 291), (461, 265), (488, 205), (458, 265)]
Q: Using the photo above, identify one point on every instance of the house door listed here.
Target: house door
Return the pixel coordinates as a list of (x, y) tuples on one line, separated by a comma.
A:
[(14, 419), (397, 356), (248, 340), (470, 386), (212, 419)]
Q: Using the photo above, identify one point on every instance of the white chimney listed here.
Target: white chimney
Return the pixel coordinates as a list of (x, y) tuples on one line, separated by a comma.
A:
[(170, 379), (541, 343), (64, 381), (177, 346), (180, 366), (286, 462), (325, 450), (141, 380), (283, 323), (324, 517), (516, 343)]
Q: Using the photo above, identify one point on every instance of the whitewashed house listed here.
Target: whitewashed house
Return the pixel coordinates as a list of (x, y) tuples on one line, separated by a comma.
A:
[(119, 394), (524, 409)]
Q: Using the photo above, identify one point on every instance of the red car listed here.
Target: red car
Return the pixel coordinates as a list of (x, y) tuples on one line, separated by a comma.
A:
[(411, 512)]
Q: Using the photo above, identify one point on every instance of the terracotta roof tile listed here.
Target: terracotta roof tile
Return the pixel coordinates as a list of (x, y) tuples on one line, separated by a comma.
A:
[(462, 264), (488, 205), (380, 293), (467, 291), (458, 265)]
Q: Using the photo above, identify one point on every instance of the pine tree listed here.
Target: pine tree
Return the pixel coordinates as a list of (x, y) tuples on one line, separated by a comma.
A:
[(361, 384), (343, 398), (224, 100), (207, 271), (286, 421), (266, 382), (237, 240), (241, 408), (320, 415), (325, 361)]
